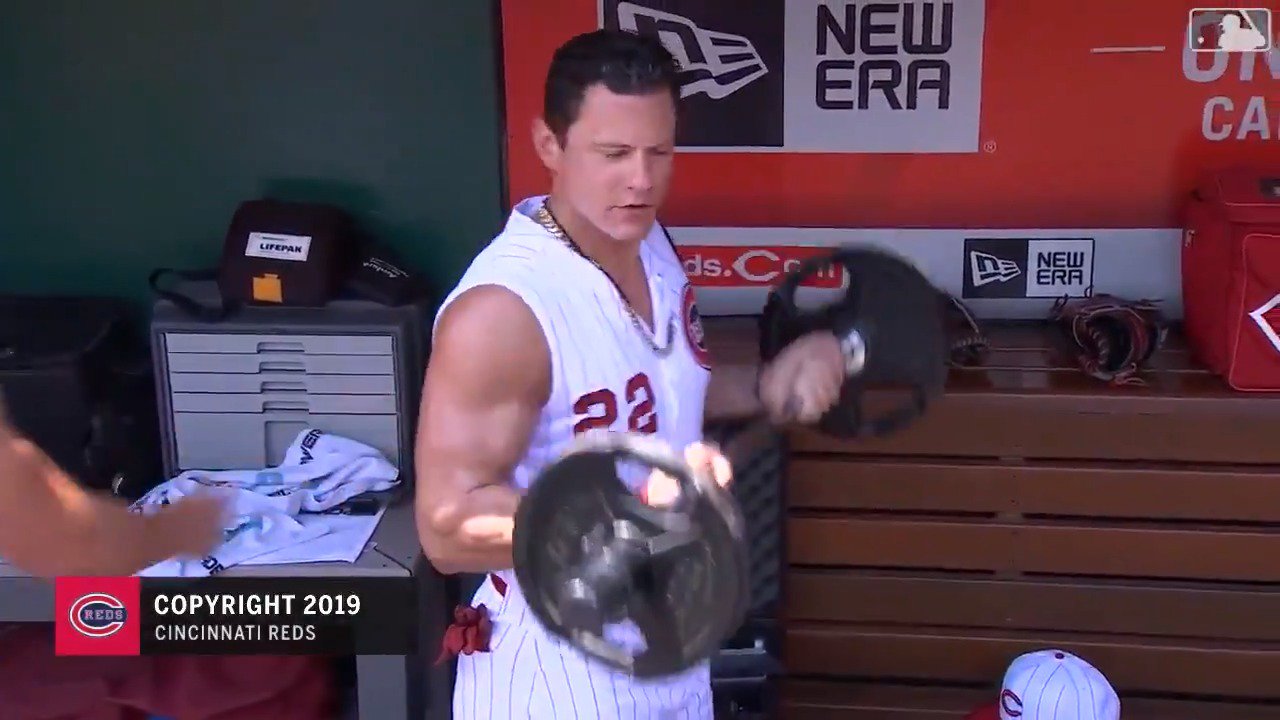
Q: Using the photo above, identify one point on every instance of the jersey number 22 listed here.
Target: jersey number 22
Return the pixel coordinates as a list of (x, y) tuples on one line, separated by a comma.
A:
[(598, 409)]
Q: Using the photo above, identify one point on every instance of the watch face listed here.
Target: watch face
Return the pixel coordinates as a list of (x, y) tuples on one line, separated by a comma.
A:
[(855, 352)]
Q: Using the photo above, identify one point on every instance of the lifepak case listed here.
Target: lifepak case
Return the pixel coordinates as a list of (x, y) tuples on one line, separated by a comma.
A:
[(275, 253), (1231, 277)]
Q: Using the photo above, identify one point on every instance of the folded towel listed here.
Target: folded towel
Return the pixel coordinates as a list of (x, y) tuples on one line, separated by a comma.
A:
[(320, 471)]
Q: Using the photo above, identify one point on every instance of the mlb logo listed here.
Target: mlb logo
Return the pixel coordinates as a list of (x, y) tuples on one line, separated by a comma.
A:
[(1230, 30)]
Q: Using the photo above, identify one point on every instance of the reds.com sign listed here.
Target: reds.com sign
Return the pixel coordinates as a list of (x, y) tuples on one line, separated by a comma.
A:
[(749, 266)]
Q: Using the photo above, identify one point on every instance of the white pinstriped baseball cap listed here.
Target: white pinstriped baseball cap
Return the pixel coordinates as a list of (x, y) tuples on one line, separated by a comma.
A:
[(1053, 685)]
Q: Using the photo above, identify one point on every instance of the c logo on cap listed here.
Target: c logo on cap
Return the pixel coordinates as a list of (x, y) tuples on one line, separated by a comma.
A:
[(1010, 703)]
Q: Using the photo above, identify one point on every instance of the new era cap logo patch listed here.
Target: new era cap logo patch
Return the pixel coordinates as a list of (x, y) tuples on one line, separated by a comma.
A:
[(731, 64), (716, 64), (987, 268)]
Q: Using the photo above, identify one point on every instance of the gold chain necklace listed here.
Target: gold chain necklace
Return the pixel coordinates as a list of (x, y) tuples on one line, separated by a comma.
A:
[(548, 221)]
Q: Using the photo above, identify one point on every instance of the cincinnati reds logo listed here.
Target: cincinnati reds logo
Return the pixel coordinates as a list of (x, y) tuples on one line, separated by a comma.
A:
[(97, 615), (693, 328), (1010, 704)]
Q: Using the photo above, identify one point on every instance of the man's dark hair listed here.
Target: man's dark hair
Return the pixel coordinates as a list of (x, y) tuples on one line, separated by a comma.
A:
[(624, 62)]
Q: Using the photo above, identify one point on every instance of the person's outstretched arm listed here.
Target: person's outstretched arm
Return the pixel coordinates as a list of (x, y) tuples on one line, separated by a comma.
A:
[(51, 526)]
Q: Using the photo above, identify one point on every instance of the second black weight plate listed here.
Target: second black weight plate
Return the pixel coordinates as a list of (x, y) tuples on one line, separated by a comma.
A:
[(685, 602)]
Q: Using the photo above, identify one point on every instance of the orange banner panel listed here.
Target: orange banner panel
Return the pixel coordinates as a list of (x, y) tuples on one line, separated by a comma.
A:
[(1091, 114)]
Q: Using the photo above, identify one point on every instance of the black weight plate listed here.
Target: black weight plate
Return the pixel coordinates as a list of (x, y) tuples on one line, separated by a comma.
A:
[(569, 501), (894, 308), (688, 601), (704, 592)]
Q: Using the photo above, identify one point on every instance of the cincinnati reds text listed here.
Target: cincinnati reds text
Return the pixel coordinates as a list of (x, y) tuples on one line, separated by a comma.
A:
[(236, 633)]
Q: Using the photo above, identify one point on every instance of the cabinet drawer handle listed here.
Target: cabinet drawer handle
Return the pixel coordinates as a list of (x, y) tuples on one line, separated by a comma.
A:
[(283, 386), (280, 346), (285, 405), (294, 366)]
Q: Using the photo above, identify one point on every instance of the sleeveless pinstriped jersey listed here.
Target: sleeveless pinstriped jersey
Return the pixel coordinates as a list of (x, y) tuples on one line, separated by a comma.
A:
[(605, 375)]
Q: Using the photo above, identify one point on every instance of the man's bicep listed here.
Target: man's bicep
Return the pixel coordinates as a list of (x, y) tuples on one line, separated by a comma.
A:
[(486, 383)]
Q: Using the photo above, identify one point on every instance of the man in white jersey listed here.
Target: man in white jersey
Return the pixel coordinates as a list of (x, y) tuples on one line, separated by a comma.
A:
[(577, 317), (51, 526)]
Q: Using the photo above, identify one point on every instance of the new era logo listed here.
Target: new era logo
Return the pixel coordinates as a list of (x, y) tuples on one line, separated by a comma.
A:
[(987, 268), (1230, 30), (732, 69), (819, 75), (1027, 267), (716, 64)]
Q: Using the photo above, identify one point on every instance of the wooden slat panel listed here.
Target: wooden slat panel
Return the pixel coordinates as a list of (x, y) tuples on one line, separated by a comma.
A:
[(1240, 613), (1034, 403), (899, 543), (1035, 547), (1123, 426), (1089, 489), (1131, 664), (805, 699)]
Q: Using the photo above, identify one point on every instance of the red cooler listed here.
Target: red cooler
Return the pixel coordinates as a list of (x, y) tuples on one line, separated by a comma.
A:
[(1231, 277)]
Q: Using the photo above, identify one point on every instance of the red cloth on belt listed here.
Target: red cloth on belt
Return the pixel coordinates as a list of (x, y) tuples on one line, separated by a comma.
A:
[(471, 627), (37, 685)]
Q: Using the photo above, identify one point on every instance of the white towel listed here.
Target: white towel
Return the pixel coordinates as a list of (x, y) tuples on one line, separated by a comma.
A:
[(320, 471)]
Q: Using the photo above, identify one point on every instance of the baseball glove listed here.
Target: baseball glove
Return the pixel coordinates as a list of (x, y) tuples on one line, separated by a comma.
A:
[(1112, 338)]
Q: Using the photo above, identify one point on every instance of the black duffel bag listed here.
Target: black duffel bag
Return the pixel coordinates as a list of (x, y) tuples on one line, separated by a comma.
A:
[(76, 380)]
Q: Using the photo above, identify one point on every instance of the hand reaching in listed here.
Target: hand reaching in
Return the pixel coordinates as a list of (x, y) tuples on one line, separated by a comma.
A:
[(191, 527)]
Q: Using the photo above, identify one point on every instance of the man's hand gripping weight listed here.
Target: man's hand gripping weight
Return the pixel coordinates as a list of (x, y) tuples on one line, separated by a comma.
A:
[(486, 384)]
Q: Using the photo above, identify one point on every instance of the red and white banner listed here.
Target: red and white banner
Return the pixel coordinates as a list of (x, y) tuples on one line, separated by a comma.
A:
[(992, 115), (1092, 113), (753, 266)]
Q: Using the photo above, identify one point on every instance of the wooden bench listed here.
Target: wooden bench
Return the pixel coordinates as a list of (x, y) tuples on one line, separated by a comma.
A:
[(1033, 508)]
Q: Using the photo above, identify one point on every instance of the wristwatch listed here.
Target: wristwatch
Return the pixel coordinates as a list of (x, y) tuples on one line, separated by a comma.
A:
[(854, 348)]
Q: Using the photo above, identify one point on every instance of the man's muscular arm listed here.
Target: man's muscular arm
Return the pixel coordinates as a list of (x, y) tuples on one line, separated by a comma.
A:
[(50, 526), (487, 380)]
